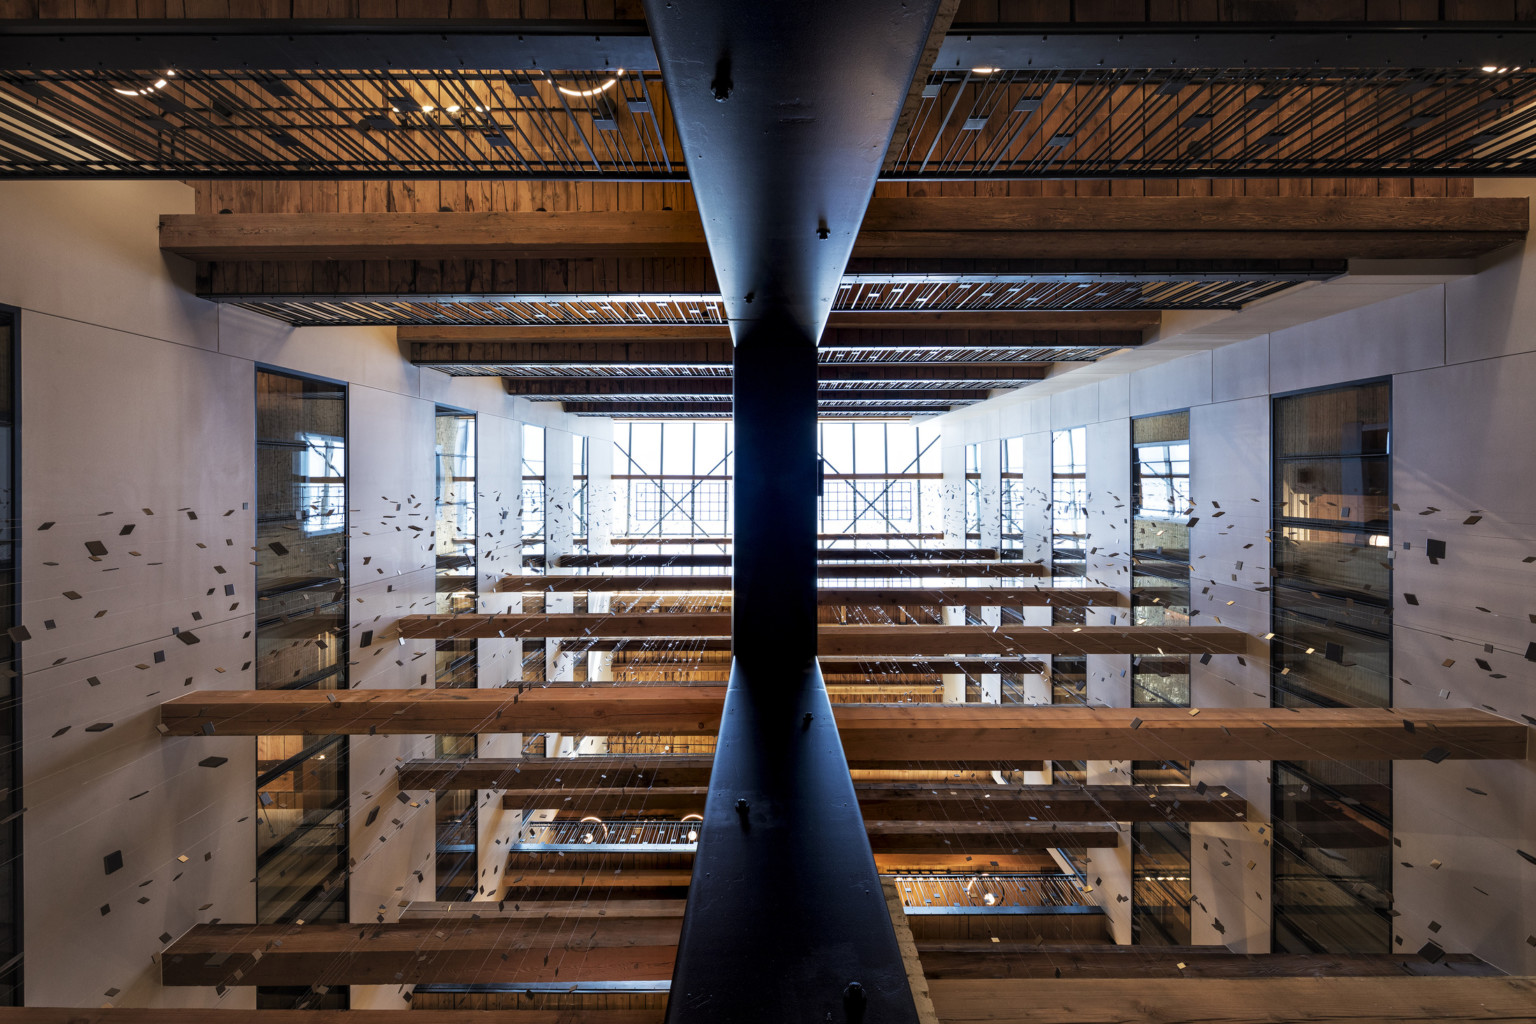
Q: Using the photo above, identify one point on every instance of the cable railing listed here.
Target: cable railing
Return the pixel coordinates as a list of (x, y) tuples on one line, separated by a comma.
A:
[(595, 836)]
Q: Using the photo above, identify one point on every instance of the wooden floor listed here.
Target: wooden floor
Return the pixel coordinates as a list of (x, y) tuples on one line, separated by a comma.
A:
[(1398, 1000), (961, 960)]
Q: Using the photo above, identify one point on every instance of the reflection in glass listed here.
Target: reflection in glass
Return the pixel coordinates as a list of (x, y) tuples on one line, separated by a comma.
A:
[(301, 643), (1160, 884), (456, 660), (1332, 647), (10, 682), (1161, 506)]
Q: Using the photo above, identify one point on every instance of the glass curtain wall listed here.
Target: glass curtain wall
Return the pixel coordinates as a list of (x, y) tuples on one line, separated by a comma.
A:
[(456, 532), (301, 643), (10, 678), (1332, 646), (1069, 537), (883, 484)]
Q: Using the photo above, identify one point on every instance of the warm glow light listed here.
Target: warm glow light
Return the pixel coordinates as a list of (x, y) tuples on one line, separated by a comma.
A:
[(983, 71), (453, 109), (592, 92)]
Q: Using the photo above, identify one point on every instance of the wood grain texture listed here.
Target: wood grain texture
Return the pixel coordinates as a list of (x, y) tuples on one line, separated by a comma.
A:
[(875, 734), (950, 227), (1396, 1000), (421, 952), (983, 960)]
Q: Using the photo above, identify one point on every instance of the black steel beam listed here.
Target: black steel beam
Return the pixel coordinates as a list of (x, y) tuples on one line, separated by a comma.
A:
[(1204, 45), (785, 112), (272, 44)]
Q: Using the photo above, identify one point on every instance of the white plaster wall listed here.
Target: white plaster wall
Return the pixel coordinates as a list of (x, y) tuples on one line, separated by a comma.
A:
[(1462, 360), (138, 409)]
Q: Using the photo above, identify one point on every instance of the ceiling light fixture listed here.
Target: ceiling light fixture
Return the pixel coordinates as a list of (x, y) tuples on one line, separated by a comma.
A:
[(593, 92), (983, 71), (160, 83)]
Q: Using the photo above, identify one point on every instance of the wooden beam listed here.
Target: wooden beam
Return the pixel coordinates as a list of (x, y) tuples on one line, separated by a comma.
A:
[(996, 320), (873, 734), (963, 228), (1039, 807), (601, 387), (971, 959), (996, 329), (503, 773), (990, 597), (887, 570), (916, 810), (723, 561), (610, 770), (1186, 227), (724, 408), (844, 641), (539, 910), (903, 640), (424, 952), (596, 582), (459, 627), (572, 353), (1062, 596), (566, 234), (980, 842), (1401, 1000)]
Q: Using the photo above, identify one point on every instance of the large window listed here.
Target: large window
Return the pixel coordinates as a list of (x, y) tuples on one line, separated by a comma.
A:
[(10, 679), (1332, 643), (1160, 554), (672, 485), (301, 643), (882, 482)]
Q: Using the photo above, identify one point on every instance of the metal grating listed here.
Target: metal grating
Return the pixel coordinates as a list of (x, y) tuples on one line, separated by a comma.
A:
[(548, 125), (1234, 122), (968, 294), (1097, 123), (479, 310)]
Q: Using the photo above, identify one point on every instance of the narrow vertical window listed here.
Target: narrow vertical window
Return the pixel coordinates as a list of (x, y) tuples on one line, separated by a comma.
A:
[(456, 660), (1069, 539), (1160, 552), (1332, 647), (301, 643)]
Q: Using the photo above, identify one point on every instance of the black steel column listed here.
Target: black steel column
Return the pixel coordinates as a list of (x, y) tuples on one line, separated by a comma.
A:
[(785, 111)]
